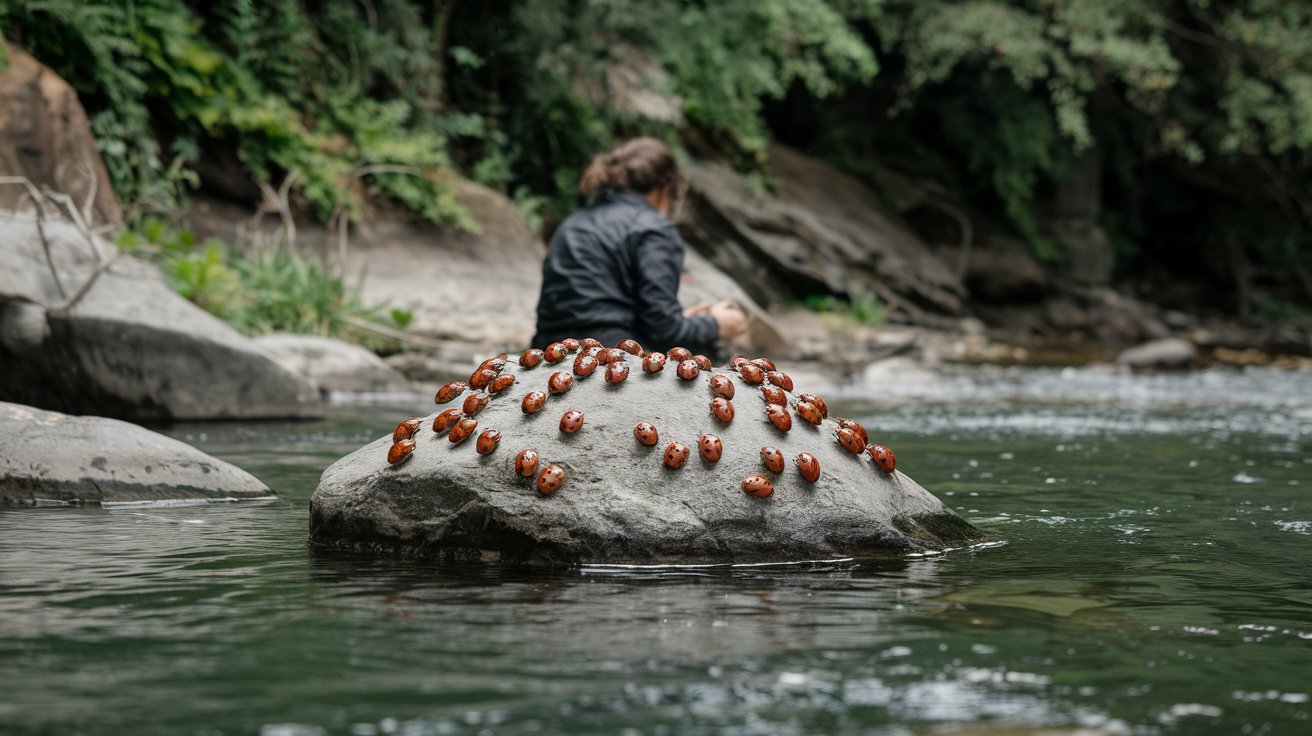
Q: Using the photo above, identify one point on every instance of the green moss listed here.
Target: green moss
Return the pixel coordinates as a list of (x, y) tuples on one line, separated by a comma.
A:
[(939, 530)]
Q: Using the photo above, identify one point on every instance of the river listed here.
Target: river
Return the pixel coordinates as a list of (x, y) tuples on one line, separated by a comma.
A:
[(1155, 578)]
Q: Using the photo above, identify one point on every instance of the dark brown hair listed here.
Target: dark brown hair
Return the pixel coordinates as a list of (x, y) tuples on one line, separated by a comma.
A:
[(640, 165)]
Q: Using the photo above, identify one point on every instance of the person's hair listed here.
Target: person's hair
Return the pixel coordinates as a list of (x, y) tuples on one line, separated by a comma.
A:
[(640, 165)]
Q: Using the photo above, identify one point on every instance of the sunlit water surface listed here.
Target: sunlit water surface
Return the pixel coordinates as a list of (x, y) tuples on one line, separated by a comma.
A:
[(1157, 578)]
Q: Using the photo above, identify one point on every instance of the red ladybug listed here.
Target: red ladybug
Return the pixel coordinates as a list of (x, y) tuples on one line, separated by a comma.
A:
[(808, 412), (400, 451), (533, 402), (676, 454), (405, 430), (850, 441), (482, 377), (883, 457), (765, 363), (722, 409), (774, 395), (645, 432), (554, 353), (653, 363), (815, 400), (446, 420), (474, 403), (751, 373), (710, 448), (856, 427), (462, 430), (721, 386), (736, 362), (779, 416), (773, 459), (757, 486), (550, 480), (571, 421), (571, 344), (497, 364), (678, 355), (449, 392), (703, 362), (584, 365), (589, 342), (488, 441), (808, 466), (560, 382), (780, 379), (629, 346), (501, 383), (610, 355), (687, 369), (617, 372), (526, 463)]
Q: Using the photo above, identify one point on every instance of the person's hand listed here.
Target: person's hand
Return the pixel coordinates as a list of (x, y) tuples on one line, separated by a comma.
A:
[(696, 309), (729, 318)]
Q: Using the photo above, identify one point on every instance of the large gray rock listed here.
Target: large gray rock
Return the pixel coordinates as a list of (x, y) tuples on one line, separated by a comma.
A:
[(130, 346), (335, 366), (1168, 352), (619, 503), (51, 458)]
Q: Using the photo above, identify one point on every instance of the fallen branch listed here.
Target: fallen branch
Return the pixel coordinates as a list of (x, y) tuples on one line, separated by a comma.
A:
[(395, 334)]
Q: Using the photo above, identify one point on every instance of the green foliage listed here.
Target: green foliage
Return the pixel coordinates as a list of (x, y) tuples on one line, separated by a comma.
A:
[(862, 309)]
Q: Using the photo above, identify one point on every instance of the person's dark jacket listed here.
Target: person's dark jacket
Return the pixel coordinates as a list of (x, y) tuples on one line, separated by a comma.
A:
[(612, 272)]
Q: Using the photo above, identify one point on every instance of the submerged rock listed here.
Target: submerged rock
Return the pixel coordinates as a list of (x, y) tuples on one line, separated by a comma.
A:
[(1168, 352), (619, 501), (47, 458)]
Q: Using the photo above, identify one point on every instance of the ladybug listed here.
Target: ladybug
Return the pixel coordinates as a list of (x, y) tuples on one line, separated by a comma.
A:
[(526, 463), (850, 441), (571, 344), (449, 392), (678, 355), (481, 378), (584, 365), (710, 448), (554, 353), (400, 451), (780, 379), (765, 364), (589, 342), (550, 480), (474, 403), (653, 363), (571, 421), (856, 427), (883, 457), (501, 383), (722, 409), (617, 372), (533, 401), (773, 459), (817, 401), (757, 486), (687, 369), (405, 430), (676, 454), (808, 466), (446, 420), (751, 373), (779, 416), (645, 432), (736, 362), (496, 364), (774, 395), (721, 386), (808, 412), (629, 346), (560, 382), (610, 355), (488, 441), (462, 430), (703, 362)]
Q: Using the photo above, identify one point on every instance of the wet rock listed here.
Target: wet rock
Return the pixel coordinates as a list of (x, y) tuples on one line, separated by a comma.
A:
[(47, 458), (619, 502), (1170, 352), (335, 366), (129, 346)]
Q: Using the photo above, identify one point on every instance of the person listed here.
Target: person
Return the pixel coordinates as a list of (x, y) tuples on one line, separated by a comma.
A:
[(612, 268)]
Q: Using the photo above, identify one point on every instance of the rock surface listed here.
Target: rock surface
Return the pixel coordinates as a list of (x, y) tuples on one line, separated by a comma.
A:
[(335, 366), (48, 458), (619, 503), (130, 347), (1168, 352)]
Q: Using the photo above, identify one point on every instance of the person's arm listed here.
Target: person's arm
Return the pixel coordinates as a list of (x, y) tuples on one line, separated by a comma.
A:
[(659, 259)]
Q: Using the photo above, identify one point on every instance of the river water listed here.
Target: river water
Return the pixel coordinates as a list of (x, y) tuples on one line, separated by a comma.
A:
[(1156, 578)]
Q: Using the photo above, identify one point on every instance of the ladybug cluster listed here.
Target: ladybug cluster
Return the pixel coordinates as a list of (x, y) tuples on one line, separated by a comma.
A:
[(489, 381)]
